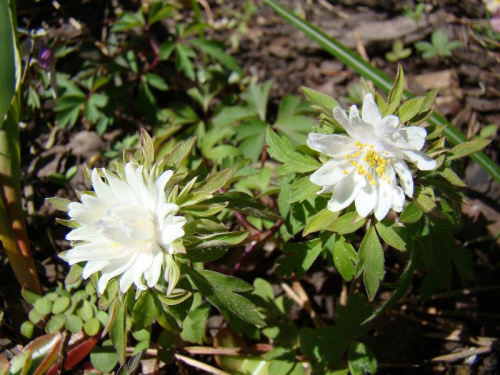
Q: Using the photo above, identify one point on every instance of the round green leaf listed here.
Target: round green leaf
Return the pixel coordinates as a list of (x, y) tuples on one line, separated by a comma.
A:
[(60, 305), (92, 326), (34, 316), (55, 323), (86, 312), (361, 359), (74, 324), (27, 329), (52, 296), (43, 306)]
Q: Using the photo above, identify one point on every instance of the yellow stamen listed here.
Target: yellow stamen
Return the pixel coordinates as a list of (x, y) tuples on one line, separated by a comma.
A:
[(345, 172), (356, 154), (370, 177), (371, 146), (372, 182), (347, 156), (353, 163)]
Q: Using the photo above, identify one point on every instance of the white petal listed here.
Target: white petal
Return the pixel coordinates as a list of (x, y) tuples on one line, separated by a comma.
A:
[(398, 199), (359, 130), (387, 126), (405, 176), (122, 189), (365, 200), (420, 159), (371, 112), (331, 172), (384, 199), (160, 184), (331, 144), (152, 274), (343, 195), (172, 232), (412, 137), (102, 190)]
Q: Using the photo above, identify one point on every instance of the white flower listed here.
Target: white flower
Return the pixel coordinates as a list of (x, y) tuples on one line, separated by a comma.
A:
[(127, 229), (365, 162)]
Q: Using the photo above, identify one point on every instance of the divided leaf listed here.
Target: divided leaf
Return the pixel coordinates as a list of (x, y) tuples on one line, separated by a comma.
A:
[(371, 262)]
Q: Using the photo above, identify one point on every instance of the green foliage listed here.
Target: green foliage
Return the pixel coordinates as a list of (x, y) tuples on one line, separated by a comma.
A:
[(398, 52), (439, 45)]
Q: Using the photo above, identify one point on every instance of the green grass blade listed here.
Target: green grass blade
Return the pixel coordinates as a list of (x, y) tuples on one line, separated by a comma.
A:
[(379, 78), (12, 224)]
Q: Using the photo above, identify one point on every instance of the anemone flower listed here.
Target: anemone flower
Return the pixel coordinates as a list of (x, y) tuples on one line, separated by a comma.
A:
[(368, 165)]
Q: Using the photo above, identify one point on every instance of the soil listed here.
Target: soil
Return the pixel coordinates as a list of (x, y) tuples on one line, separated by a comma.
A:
[(414, 337)]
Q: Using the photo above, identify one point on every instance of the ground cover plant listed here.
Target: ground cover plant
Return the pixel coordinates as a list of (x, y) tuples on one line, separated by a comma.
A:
[(195, 187)]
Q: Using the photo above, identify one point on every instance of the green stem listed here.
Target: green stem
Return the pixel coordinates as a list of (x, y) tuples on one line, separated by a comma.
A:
[(379, 78)]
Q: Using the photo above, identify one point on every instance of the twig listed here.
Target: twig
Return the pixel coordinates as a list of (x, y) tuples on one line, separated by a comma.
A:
[(299, 295), (453, 293), (457, 336), (200, 365), (360, 46), (208, 11), (460, 355), (207, 350), (62, 352), (242, 220), (264, 236)]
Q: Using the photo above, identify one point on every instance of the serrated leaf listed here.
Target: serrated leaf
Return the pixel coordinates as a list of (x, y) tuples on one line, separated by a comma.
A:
[(60, 203), (245, 204), (325, 102), (195, 325), (385, 229), (282, 150), (411, 213), (371, 262), (215, 181), (347, 223), (345, 258), (351, 318), (320, 221), (325, 344), (300, 257), (143, 312), (222, 291), (449, 175), (410, 108), (302, 189), (179, 153), (467, 148), (117, 331), (361, 359), (396, 93)]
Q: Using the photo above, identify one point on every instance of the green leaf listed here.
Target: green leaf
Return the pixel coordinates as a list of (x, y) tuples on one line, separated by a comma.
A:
[(449, 175), (325, 344), (411, 213), (26, 329), (144, 311), (302, 189), (386, 230), (282, 150), (117, 331), (300, 257), (215, 49), (195, 325), (345, 258), (44, 306), (184, 64), (60, 305), (245, 204), (179, 153), (410, 108), (221, 152), (347, 223), (128, 21), (60, 203), (320, 221), (55, 323), (222, 291), (361, 359), (401, 288), (215, 181), (351, 318), (257, 96), (325, 102), (467, 148), (74, 324), (104, 358), (10, 71), (371, 262), (92, 326), (396, 93)]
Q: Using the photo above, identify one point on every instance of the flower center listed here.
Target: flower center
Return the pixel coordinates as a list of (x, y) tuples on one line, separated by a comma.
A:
[(369, 163), (127, 225)]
